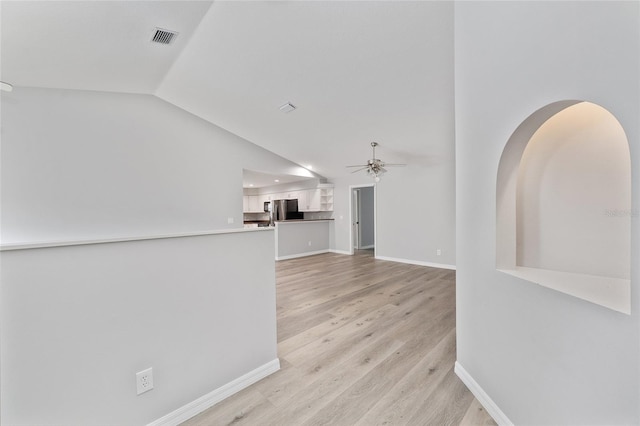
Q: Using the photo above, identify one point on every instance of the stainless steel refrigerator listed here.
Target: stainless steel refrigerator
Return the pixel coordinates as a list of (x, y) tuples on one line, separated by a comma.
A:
[(285, 210)]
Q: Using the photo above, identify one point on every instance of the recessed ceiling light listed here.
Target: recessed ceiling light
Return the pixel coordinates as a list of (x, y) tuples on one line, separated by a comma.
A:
[(288, 107), (250, 184), (277, 180)]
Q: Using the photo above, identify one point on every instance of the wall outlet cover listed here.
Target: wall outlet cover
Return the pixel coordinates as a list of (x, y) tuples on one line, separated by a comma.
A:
[(144, 380)]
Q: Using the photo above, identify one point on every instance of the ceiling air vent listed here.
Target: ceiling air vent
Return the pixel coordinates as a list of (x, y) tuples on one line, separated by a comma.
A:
[(163, 36)]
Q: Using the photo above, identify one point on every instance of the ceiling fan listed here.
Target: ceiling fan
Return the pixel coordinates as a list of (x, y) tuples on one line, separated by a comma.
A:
[(375, 167)]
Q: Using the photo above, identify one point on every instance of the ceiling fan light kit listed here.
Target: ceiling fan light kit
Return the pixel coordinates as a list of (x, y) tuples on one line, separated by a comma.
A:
[(375, 167), (5, 87)]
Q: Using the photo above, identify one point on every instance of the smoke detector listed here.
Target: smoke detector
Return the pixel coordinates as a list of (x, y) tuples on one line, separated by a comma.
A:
[(163, 36)]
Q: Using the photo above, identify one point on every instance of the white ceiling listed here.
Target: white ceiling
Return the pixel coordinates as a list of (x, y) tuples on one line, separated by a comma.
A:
[(93, 45), (357, 71)]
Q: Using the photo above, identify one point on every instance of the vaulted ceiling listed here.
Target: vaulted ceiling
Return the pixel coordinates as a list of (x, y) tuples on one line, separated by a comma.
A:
[(356, 71)]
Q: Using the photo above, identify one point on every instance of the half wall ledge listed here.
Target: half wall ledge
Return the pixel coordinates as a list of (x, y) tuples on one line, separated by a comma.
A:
[(612, 293)]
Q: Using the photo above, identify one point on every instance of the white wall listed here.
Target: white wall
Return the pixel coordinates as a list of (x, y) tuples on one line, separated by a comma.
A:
[(415, 208), (295, 239), (543, 357), (415, 211), (416, 203), (78, 322), (81, 164)]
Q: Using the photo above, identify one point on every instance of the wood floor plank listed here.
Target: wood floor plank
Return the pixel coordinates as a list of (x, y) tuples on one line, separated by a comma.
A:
[(408, 394), (363, 394), (245, 408), (476, 415), (310, 399), (341, 314), (447, 405), (362, 342)]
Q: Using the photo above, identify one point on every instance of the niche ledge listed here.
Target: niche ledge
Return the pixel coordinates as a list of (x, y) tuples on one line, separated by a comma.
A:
[(612, 293)]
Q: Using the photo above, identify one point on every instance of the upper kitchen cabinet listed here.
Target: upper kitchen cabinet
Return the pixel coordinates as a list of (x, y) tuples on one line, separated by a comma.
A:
[(251, 204), (310, 201), (316, 200)]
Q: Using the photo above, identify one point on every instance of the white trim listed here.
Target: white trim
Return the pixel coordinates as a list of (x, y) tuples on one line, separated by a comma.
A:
[(367, 247), (356, 215), (482, 397), (418, 262), (340, 252), (36, 245), (209, 400), (309, 253)]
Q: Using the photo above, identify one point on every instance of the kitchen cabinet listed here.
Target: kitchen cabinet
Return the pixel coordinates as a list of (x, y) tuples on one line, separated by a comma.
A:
[(303, 204), (251, 204), (319, 199), (309, 201), (254, 204), (289, 195), (292, 195)]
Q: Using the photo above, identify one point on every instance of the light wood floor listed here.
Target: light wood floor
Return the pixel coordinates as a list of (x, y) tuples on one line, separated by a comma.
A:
[(361, 342)]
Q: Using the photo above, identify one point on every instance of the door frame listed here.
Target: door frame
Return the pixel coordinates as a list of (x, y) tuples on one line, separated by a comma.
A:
[(356, 217), (352, 189)]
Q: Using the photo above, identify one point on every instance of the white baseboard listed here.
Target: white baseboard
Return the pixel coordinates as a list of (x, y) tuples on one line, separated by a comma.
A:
[(482, 397), (341, 252), (367, 247), (418, 262), (309, 253), (209, 400)]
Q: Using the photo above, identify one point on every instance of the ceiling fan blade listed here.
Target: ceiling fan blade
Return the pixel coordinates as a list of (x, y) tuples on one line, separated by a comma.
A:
[(355, 171), (375, 166)]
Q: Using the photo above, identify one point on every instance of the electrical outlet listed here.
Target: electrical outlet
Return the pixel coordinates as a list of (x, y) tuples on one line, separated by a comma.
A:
[(229, 220), (309, 243), (438, 252), (144, 380)]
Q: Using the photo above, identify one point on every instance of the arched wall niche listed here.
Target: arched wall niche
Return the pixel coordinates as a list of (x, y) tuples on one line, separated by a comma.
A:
[(563, 203)]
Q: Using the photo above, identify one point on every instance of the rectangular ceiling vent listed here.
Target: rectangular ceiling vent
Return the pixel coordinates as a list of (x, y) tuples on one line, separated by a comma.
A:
[(163, 36)]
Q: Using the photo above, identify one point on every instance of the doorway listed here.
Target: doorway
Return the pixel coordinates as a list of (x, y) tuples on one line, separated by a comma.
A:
[(363, 217)]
